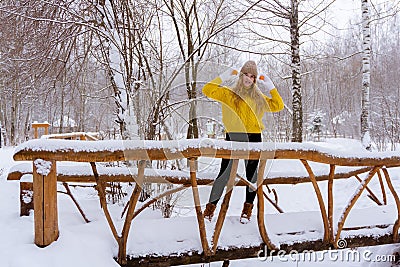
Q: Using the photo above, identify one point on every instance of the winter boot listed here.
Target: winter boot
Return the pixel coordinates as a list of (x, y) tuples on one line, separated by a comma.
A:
[(209, 211), (246, 213)]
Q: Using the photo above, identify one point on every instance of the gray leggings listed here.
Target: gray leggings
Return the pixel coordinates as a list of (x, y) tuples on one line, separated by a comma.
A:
[(226, 166)]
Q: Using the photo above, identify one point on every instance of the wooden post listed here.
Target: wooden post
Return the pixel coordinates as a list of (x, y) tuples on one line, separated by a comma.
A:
[(35, 131), (397, 200), (224, 205), (45, 205), (26, 198), (330, 202), (354, 199), (382, 188), (199, 213), (260, 206), (324, 215), (36, 125), (123, 240)]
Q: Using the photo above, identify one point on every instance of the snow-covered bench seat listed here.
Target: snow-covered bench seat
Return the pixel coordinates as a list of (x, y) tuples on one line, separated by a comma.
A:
[(46, 155)]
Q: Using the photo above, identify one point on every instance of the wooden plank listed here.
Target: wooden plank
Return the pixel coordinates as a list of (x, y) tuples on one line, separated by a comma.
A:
[(40, 124), (45, 205), (234, 253), (38, 200), (89, 178), (50, 197)]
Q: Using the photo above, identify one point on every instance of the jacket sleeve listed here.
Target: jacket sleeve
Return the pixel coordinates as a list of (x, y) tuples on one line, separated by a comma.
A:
[(275, 102), (214, 90)]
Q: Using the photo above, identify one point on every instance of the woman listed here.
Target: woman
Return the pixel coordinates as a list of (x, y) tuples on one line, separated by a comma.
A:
[(243, 107)]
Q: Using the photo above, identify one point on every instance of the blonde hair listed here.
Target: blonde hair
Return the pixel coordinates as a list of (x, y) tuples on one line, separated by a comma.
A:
[(253, 92)]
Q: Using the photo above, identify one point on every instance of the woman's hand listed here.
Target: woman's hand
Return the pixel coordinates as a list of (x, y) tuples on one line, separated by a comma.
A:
[(265, 83), (229, 74)]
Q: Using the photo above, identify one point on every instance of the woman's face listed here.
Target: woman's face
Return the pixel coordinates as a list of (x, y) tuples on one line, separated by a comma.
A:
[(248, 79)]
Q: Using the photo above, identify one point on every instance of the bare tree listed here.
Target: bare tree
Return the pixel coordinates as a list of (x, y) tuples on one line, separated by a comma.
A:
[(196, 30), (49, 35)]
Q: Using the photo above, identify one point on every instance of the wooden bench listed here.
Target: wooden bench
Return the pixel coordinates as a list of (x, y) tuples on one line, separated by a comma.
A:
[(46, 153)]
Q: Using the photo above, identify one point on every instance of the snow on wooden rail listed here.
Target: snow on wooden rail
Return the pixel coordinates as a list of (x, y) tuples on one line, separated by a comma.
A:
[(46, 225), (115, 150)]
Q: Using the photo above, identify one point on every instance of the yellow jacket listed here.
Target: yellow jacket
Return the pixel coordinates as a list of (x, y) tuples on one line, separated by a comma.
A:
[(241, 119)]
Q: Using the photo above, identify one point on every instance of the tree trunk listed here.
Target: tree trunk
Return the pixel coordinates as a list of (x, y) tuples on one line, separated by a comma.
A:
[(13, 120), (366, 75), (297, 126), (27, 125), (193, 130), (60, 129)]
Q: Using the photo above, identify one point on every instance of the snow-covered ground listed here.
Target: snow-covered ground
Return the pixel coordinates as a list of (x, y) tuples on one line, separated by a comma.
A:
[(92, 244)]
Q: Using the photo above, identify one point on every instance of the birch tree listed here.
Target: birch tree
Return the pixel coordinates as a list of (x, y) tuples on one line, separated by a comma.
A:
[(297, 19), (297, 106), (366, 75)]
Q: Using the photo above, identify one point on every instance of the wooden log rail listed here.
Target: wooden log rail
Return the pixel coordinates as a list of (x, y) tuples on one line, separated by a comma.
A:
[(45, 153)]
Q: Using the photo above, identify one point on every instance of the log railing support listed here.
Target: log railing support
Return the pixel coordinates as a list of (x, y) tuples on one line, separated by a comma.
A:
[(199, 213), (224, 205), (382, 188), (123, 239), (346, 212), (273, 203), (320, 200), (260, 206), (397, 201), (330, 202), (371, 195)]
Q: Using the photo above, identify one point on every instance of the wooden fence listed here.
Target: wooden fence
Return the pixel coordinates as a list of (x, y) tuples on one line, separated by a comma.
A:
[(45, 154)]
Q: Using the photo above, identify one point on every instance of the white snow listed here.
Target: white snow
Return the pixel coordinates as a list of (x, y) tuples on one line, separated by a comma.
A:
[(92, 244), (27, 196), (43, 167)]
